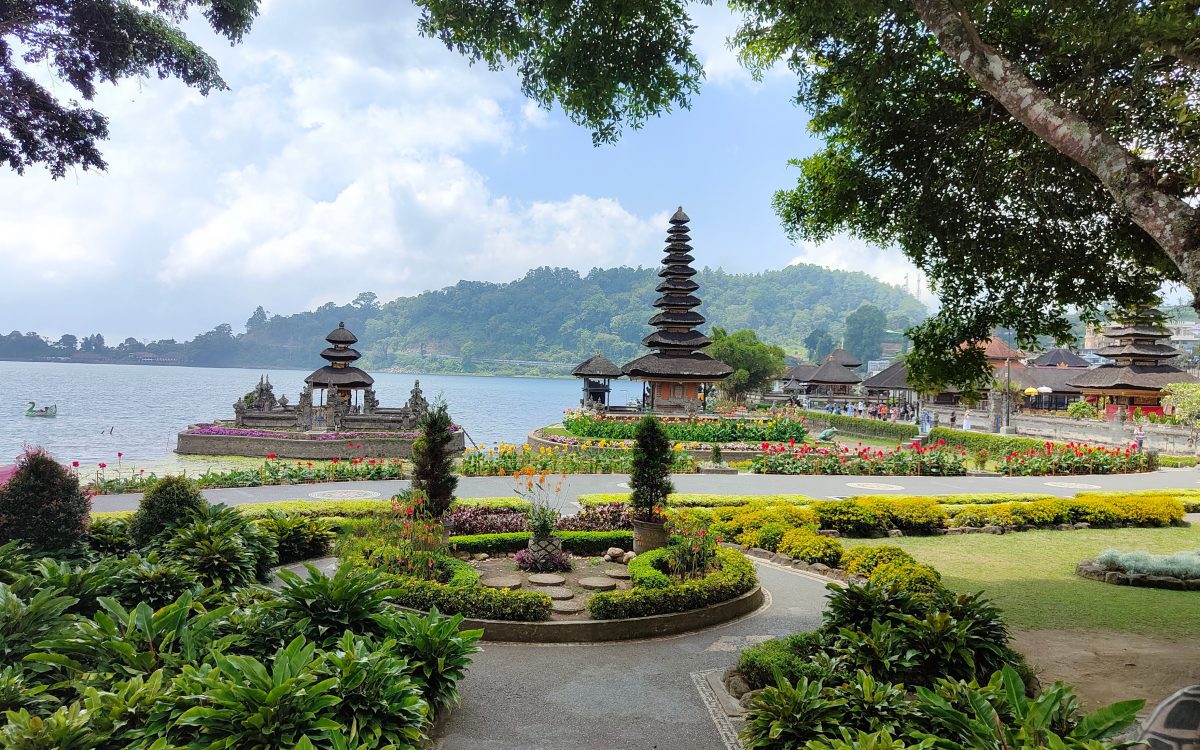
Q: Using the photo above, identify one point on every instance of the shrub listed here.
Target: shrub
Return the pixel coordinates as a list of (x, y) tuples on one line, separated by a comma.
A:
[(863, 560), (650, 475), (110, 536), (42, 504), (803, 544), (648, 570), (484, 521), (1185, 565), (849, 517), (1081, 410), (790, 657), (169, 502), (912, 515), (401, 559), (856, 607), (734, 577), (899, 431), (579, 542), (433, 463), (148, 579), (1144, 510), (919, 580), (471, 601), (321, 608), (296, 537), (438, 653), (609, 517), (786, 716), (556, 561), (222, 547), (25, 622), (765, 537)]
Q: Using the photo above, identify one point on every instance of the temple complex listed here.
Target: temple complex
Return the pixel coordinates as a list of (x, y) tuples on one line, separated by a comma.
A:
[(677, 373), (1138, 373)]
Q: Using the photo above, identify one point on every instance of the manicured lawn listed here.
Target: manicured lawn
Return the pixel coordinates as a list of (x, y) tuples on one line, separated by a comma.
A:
[(1031, 576)]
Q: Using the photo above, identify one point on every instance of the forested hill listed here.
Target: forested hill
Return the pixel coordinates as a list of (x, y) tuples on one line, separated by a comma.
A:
[(552, 315)]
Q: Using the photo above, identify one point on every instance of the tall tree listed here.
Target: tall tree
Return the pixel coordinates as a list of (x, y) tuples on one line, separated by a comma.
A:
[(865, 328), (754, 363), (1032, 156), (819, 344), (83, 43)]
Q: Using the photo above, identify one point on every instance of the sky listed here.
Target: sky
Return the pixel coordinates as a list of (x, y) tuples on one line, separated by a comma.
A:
[(352, 155)]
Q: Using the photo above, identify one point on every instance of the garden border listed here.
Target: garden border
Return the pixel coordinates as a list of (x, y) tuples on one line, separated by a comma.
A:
[(633, 628), (1091, 570), (535, 440)]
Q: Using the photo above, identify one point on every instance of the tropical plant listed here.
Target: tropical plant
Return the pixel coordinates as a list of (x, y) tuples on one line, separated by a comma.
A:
[(754, 363), (169, 502), (24, 623), (786, 716), (321, 607), (42, 504), (296, 537), (148, 579), (222, 547), (438, 653)]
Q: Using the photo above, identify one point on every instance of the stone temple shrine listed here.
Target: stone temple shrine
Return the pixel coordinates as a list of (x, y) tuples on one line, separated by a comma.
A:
[(337, 400)]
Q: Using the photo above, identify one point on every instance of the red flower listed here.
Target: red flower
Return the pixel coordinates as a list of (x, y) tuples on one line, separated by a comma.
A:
[(119, 454), (75, 464), (103, 466), (336, 460), (270, 456)]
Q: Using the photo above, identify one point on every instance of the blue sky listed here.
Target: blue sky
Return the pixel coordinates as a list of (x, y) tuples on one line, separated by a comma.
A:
[(352, 155)]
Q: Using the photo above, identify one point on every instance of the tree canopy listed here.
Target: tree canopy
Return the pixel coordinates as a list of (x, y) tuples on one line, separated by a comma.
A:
[(865, 329), (85, 43), (754, 363), (1033, 157)]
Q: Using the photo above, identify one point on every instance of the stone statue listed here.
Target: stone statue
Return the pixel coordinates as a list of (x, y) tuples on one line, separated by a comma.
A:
[(239, 412), (369, 401), (416, 401), (283, 402)]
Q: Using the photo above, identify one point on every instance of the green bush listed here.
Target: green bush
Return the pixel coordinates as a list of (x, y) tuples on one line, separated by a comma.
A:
[(433, 462), (438, 653), (578, 542), (222, 547), (997, 445), (912, 515), (863, 560), (734, 577), (791, 657), (321, 607), (297, 537), (475, 602), (650, 472), (765, 537), (803, 544), (901, 432), (693, 500), (919, 580), (110, 536), (42, 504), (170, 502), (849, 517), (648, 570), (148, 579)]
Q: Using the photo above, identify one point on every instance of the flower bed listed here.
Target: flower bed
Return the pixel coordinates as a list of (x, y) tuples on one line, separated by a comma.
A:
[(212, 429), (1076, 458), (684, 429), (344, 508), (580, 542), (272, 472), (936, 460), (507, 460)]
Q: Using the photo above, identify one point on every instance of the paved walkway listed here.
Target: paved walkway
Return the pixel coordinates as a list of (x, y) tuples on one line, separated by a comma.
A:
[(739, 484), (644, 694)]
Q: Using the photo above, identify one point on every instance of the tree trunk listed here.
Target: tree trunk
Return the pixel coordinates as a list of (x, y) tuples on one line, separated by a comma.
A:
[(1167, 218)]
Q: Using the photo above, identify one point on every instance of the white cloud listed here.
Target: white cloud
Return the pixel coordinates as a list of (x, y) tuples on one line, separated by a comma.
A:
[(889, 265)]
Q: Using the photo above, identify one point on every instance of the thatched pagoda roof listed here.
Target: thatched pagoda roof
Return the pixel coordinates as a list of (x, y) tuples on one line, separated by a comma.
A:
[(831, 373), (598, 366), (339, 377), (694, 366), (1137, 349), (1131, 377), (341, 335), (844, 358), (1059, 358)]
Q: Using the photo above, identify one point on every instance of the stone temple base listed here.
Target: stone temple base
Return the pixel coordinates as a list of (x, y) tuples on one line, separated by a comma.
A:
[(299, 447)]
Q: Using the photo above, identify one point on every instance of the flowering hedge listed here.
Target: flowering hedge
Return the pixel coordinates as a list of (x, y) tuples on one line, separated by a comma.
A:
[(699, 429), (935, 460), (507, 460), (1076, 458), (271, 472)]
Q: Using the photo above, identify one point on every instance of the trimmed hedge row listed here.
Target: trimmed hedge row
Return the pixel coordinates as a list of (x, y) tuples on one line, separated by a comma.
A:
[(470, 600), (694, 500), (343, 508), (734, 577), (899, 431), (996, 445), (579, 542)]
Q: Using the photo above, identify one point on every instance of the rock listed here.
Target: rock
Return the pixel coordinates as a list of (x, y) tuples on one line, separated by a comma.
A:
[(761, 554), (1082, 526), (830, 533), (480, 556), (737, 686), (858, 580), (1065, 527), (546, 579), (567, 606), (1165, 582), (954, 531), (1192, 584), (596, 583), (781, 559), (819, 568), (621, 574), (556, 592), (747, 699), (991, 530), (502, 582), (614, 552), (625, 558), (895, 532), (1116, 577)]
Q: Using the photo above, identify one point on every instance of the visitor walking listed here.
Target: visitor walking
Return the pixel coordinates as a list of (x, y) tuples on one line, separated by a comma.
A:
[(1139, 437), (953, 417), (967, 420)]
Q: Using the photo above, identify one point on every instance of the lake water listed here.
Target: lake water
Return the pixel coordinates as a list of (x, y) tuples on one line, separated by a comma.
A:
[(138, 409)]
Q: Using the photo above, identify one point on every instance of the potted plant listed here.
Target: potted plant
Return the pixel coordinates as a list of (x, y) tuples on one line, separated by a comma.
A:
[(543, 552), (650, 482)]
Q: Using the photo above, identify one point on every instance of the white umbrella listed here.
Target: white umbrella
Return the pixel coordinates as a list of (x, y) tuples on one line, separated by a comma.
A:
[(1045, 389)]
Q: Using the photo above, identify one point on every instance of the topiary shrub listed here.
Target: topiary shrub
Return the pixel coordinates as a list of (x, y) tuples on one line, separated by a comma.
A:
[(862, 561), (922, 582), (850, 517), (650, 472), (43, 505), (803, 544), (168, 503), (433, 463)]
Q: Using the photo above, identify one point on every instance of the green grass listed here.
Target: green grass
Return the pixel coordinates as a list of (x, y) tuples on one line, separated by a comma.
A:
[(1031, 576)]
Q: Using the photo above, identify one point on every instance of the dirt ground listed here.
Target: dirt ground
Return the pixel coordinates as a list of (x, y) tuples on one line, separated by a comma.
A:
[(1107, 666)]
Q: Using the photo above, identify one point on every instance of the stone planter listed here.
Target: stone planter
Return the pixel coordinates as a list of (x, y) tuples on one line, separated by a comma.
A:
[(648, 536), (542, 548)]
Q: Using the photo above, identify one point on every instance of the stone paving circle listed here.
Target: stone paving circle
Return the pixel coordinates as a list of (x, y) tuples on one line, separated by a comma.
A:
[(502, 582), (344, 495), (874, 486), (547, 579), (556, 592), (596, 583), (567, 607), (1073, 485), (620, 573)]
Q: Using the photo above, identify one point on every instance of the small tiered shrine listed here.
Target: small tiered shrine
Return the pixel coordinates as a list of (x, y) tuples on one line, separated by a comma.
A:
[(596, 374), (677, 373), (1138, 373)]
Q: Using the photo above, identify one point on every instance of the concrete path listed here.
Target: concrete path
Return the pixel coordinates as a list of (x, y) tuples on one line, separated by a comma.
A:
[(644, 694), (739, 484)]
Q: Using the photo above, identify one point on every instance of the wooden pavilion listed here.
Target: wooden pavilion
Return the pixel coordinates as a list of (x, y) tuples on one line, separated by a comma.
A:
[(596, 374), (677, 373), (832, 379), (1137, 374)]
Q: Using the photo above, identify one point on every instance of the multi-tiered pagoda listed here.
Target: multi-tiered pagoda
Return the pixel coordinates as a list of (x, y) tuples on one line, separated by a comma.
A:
[(677, 372), (1138, 373)]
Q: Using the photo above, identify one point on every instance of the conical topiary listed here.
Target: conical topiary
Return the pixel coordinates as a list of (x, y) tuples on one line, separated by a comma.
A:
[(650, 476), (43, 505)]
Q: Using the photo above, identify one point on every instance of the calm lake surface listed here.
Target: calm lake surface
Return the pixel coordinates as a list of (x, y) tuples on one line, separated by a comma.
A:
[(138, 409)]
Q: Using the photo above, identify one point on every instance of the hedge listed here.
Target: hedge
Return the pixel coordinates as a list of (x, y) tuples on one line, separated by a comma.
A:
[(734, 577), (691, 500), (344, 508), (579, 542), (901, 432), (470, 600), (997, 445)]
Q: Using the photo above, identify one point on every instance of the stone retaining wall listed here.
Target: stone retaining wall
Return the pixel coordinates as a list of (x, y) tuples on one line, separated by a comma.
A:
[(299, 448), (1089, 569)]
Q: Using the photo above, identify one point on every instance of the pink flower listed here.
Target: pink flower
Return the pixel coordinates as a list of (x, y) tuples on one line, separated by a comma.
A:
[(103, 466), (75, 464), (119, 454)]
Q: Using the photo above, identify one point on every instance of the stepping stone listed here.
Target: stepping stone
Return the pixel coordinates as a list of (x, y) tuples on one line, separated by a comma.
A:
[(502, 582), (556, 592), (567, 607), (546, 579), (618, 573), (596, 583)]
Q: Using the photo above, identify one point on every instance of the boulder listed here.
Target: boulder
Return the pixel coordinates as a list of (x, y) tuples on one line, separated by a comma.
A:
[(625, 558), (614, 552), (895, 532), (991, 530), (737, 686), (834, 533), (819, 568), (480, 556)]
